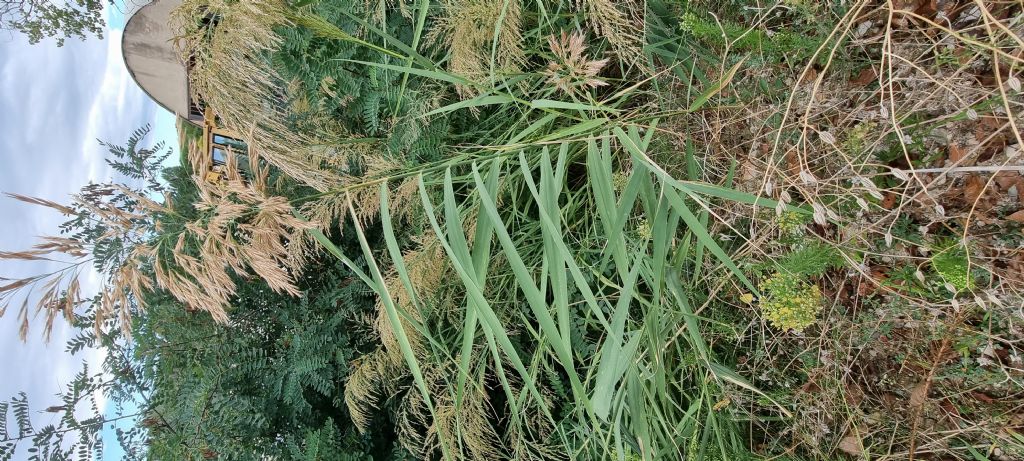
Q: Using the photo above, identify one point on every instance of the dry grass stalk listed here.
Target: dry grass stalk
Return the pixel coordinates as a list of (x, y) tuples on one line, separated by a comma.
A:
[(66, 211), (242, 229), (59, 292)]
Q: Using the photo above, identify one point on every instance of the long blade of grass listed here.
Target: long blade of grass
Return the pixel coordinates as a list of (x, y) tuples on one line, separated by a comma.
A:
[(564, 105), (524, 279), (533, 127), (574, 130), (392, 245), (396, 322), (694, 175), (490, 321), (614, 356), (694, 225), (535, 299), (580, 281), (479, 101), (599, 171), (726, 193), (436, 75), (495, 38), (716, 88), (481, 261), (421, 19), (633, 145), (337, 253), (325, 29), (550, 191), (391, 40)]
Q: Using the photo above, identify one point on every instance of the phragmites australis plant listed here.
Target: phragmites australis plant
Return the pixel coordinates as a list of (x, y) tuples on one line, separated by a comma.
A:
[(587, 229), (141, 244), (228, 44)]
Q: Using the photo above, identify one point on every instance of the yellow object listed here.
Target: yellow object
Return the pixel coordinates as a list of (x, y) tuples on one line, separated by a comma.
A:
[(747, 298), (791, 223), (789, 302), (218, 145)]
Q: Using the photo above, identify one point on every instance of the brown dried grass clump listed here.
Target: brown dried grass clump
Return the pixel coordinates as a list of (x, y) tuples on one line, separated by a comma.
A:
[(241, 230)]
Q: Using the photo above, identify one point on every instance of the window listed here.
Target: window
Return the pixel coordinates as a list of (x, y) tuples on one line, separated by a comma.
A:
[(238, 146), (220, 155)]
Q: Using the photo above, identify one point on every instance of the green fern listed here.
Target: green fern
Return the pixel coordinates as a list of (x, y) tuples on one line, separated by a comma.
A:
[(811, 259), (773, 47)]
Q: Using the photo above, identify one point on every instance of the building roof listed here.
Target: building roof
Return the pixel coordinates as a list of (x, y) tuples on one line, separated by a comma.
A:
[(151, 58)]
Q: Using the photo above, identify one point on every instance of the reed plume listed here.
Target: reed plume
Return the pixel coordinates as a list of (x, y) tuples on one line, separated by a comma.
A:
[(231, 73), (468, 29)]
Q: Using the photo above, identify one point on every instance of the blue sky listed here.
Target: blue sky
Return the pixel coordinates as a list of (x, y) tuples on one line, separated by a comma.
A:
[(56, 103)]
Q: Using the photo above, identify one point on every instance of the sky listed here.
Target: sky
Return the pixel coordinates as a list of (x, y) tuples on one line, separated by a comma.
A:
[(56, 103)]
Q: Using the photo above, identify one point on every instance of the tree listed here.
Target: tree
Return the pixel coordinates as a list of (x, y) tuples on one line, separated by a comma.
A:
[(265, 380), (104, 225), (39, 19)]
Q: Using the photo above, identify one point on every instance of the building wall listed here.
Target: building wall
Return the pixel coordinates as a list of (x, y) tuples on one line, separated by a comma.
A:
[(149, 54)]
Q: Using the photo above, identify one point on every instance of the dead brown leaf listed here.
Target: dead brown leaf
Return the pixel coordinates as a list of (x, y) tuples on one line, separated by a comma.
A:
[(865, 77), (980, 396), (1017, 217), (869, 285), (956, 154), (974, 186), (889, 202), (989, 131), (927, 8), (793, 163), (809, 75), (851, 444), (949, 408), (1007, 179), (854, 394)]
